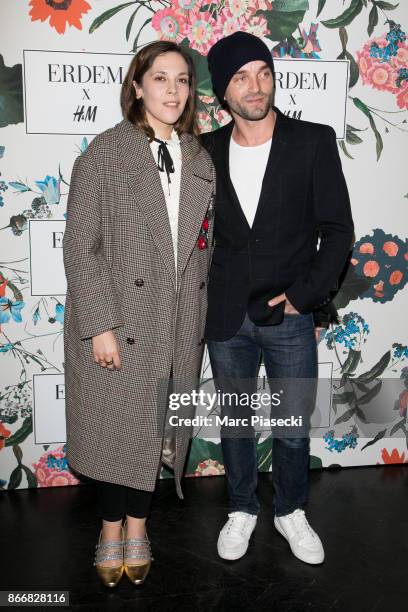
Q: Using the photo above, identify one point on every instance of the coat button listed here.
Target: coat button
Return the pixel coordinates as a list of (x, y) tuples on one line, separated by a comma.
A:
[(139, 282), (202, 284), (130, 340), (201, 341)]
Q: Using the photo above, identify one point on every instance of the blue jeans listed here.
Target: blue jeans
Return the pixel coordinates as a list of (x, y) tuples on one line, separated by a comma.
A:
[(289, 351)]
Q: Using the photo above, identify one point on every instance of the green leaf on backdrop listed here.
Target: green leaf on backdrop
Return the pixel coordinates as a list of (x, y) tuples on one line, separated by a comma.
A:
[(22, 433), (370, 394), (378, 436), (386, 6), (354, 71), (315, 462), (343, 37), (31, 478), (345, 417), (372, 20), (264, 453), (352, 138), (15, 478), (399, 425), (289, 6), (343, 147), (11, 94), (204, 86), (346, 17), (320, 7), (352, 287), (144, 24), (377, 369), (131, 20), (364, 109), (282, 24), (107, 15), (202, 450), (352, 361)]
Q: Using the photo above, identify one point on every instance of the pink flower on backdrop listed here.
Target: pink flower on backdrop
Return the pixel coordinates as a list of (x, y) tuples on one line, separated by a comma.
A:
[(203, 32), (204, 122), (187, 5), (402, 96), (230, 23), (237, 7), (209, 467), (222, 117), (170, 25), (401, 59), (381, 76), (258, 26), (52, 470), (259, 5)]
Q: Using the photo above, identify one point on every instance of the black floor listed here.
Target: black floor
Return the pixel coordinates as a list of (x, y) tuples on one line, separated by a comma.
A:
[(361, 514)]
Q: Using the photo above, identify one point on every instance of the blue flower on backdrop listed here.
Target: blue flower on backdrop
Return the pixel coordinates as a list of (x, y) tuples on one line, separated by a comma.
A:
[(348, 440), (7, 308), (3, 188), (400, 351), (50, 188), (394, 37), (5, 347), (59, 313), (351, 333)]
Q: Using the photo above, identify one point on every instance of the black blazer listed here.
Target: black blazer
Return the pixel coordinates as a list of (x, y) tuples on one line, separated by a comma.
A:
[(304, 196)]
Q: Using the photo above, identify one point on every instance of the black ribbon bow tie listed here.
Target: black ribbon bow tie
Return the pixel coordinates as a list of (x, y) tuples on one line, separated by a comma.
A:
[(164, 159)]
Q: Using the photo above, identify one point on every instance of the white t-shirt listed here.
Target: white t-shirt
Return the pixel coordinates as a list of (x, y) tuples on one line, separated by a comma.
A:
[(171, 191), (247, 167)]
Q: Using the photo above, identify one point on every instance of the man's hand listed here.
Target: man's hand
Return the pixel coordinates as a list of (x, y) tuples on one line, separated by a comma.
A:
[(106, 351), (289, 309)]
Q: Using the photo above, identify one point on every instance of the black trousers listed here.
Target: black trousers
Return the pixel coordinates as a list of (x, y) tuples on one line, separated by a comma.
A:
[(115, 501)]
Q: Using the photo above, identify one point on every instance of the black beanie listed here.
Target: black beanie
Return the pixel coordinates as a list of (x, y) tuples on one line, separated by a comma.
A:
[(229, 54)]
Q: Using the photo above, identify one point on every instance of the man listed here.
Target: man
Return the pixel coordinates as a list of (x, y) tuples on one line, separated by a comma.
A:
[(280, 188)]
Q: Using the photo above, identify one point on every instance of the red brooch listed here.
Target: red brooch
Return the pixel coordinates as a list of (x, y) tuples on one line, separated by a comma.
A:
[(202, 242)]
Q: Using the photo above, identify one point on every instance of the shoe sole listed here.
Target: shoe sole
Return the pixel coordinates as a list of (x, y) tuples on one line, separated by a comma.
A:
[(309, 562)]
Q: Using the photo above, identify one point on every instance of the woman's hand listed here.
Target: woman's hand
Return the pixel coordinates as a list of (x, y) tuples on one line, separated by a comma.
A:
[(106, 351)]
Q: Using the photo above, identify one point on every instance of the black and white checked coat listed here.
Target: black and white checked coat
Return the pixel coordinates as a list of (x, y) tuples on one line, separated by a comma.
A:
[(120, 270)]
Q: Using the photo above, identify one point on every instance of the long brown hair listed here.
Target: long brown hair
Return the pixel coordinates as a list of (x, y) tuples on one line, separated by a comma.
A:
[(133, 109)]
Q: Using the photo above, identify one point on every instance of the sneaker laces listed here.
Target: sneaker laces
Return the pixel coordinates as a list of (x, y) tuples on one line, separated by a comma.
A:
[(236, 523), (301, 524)]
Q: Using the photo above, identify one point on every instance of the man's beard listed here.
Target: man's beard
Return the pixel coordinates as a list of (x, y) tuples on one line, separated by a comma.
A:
[(252, 114)]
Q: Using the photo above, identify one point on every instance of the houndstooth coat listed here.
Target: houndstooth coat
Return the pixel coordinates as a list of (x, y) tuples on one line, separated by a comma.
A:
[(121, 276)]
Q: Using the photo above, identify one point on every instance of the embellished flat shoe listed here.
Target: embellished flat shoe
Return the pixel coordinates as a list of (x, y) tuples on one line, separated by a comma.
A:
[(109, 551), (137, 549)]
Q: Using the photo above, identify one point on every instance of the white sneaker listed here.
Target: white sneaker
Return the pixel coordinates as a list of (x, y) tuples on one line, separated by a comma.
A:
[(303, 540), (234, 536)]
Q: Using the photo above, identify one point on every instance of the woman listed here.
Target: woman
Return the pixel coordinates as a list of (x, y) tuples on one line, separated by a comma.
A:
[(136, 254)]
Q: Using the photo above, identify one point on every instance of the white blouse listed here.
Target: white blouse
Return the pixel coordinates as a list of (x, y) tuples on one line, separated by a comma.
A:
[(171, 190)]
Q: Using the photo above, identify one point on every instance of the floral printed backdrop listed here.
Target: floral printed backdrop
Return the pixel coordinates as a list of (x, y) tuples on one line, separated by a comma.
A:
[(370, 342)]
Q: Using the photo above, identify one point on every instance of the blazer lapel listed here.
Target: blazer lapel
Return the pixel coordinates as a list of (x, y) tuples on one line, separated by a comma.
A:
[(277, 147), (196, 188), (144, 182), (223, 170)]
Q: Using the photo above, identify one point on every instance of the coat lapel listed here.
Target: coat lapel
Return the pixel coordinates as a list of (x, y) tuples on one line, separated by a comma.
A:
[(196, 188), (144, 182)]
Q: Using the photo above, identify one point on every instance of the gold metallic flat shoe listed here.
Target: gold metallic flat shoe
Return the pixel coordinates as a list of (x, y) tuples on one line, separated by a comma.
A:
[(137, 548), (108, 551)]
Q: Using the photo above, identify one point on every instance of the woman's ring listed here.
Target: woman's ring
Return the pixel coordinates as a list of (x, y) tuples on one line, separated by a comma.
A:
[(109, 362)]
